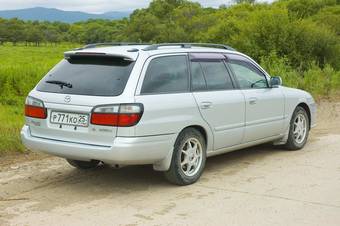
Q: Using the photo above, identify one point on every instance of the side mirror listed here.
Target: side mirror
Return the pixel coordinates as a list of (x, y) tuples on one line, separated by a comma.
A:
[(275, 81)]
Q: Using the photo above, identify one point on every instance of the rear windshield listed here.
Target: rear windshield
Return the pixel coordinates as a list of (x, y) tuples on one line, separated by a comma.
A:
[(95, 76)]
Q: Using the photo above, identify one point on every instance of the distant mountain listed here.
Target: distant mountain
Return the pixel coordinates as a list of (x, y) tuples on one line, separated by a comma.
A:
[(52, 14)]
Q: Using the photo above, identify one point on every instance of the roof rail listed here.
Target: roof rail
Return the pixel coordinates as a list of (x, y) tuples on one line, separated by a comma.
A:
[(213, 45), (188, 45), (156, 46), (94, 45)]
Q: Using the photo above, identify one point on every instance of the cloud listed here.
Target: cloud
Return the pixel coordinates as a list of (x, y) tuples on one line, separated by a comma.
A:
[(92, 6)]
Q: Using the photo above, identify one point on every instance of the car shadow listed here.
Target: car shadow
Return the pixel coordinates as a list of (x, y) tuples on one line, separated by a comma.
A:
[(73, 186), (141, 177)]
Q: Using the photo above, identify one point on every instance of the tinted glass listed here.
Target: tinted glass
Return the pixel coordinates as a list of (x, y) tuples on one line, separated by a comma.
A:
[(216, 75), (247, 75), (197, 77), (88, 76), (166, 75)]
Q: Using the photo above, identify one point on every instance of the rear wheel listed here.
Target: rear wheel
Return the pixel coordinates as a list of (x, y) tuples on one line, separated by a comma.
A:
[(188, 159), (83, 164), (299, 129)]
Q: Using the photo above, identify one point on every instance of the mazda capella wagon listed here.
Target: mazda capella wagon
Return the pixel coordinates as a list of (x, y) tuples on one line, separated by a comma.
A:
[(169, 105)]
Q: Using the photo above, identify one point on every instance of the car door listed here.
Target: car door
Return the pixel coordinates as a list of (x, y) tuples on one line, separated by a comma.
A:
[(164, 91), (221, 106), (264, 105)]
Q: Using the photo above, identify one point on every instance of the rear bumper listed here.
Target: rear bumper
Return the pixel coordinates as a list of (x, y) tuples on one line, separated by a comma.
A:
[(124, 150)]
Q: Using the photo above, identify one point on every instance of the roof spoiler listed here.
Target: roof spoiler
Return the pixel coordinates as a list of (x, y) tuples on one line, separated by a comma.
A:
[(72, 54), (103, 44)]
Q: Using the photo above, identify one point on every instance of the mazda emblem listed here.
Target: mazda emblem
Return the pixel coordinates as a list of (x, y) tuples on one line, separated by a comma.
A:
[(67, 99)]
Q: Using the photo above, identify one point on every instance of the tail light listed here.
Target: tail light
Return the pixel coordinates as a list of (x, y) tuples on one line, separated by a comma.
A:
[(120, 115), (35, 108)]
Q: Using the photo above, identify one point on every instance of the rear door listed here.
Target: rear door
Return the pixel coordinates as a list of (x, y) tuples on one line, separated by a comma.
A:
[(71, 90), (264, 105), (164, 91), (221, 105)]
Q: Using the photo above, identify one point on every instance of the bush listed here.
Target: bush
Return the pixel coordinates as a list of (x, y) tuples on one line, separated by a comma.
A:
[(321, 83)]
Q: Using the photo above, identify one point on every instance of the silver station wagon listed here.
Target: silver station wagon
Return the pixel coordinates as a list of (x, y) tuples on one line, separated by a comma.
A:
[(168, 105)]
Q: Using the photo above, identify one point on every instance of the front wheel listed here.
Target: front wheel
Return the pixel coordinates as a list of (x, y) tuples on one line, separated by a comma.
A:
[(299, 129), (188, 159)]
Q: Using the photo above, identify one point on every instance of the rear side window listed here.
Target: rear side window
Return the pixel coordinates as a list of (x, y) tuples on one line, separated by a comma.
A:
[(94, 76), (197, 77), (167, 74), (216, 75), (210, 75)]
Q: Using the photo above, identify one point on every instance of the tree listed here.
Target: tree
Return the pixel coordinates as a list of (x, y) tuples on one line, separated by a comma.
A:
[(307, 8), (14, 31), (244, 1)]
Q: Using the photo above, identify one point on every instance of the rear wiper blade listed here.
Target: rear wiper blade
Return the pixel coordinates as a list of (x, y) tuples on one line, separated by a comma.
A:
[(60, 83)]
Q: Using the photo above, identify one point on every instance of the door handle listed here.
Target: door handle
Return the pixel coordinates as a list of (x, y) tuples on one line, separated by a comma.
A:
[(206, 104), (252, 100)]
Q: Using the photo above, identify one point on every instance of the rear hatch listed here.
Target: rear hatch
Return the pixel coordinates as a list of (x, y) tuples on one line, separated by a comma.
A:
[(72, 89)]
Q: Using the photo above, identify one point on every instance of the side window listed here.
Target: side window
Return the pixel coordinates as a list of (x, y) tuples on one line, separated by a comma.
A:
[(216, 75), (198, 82), (247, 75), (167, 74)]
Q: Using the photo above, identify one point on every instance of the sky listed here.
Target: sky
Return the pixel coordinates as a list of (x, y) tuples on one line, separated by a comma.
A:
[(94, 6)]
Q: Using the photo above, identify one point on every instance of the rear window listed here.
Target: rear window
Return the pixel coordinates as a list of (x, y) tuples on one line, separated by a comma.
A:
[(93, 76)]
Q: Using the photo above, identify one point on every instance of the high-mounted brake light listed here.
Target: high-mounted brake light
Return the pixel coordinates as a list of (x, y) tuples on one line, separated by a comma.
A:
[(119, 115), (35, 108)]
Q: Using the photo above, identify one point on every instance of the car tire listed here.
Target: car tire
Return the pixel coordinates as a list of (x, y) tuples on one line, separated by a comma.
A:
[(188, 158), (83, 164), (298, 130)]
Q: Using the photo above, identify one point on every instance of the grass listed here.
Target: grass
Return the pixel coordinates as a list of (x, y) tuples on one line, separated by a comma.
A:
[(22, 67), (11, 118)]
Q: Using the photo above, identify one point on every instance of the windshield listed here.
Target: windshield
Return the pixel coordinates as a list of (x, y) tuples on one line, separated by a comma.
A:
[(94, 76)]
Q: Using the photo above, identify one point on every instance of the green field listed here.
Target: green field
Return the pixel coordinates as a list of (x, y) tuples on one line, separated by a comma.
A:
[(22, 67)]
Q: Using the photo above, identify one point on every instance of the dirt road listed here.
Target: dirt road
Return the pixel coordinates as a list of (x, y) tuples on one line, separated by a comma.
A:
[(256, 186)]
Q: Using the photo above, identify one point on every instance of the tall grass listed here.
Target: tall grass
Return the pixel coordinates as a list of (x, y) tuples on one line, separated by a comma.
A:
[(21, 68), (11, 119)]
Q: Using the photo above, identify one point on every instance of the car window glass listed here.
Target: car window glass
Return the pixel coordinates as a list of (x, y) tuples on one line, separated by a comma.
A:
[(247, 75), (216, 75), (197, 77), (166, 75), (95, 76)]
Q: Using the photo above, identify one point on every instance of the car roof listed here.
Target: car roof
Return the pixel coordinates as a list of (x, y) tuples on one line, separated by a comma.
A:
[(131, 52)]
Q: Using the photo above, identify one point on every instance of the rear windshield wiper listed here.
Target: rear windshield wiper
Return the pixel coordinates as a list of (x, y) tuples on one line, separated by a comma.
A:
[(60, 83)]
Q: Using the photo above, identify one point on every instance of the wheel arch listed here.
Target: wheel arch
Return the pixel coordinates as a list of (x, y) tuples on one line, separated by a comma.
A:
[(164, 164), (201, 130), (206, 133), (306, 108)]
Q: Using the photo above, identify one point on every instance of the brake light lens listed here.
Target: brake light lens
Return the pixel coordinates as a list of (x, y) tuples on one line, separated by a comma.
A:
[(35, 108), (120, 115)]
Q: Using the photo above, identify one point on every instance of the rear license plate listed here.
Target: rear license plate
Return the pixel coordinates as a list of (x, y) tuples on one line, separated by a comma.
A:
[(72, 119)]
